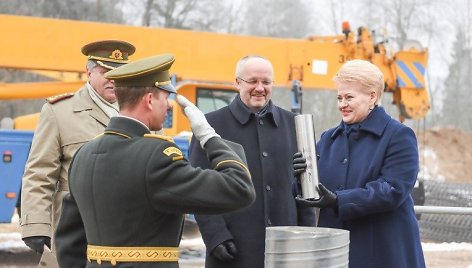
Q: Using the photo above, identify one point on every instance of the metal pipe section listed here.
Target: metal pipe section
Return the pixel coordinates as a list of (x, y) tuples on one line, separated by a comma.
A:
[(306, 144), (443, 210)]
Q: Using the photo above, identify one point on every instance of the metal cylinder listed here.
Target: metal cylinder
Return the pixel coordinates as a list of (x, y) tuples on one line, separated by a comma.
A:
[(306, 144), (296, 246)]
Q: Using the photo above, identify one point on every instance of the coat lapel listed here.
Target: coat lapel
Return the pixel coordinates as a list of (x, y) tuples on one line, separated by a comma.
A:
[(86, 104)]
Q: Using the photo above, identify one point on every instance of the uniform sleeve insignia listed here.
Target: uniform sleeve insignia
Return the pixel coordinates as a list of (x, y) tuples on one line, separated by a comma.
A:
[(161, 137), (57, 98), (173, 151)]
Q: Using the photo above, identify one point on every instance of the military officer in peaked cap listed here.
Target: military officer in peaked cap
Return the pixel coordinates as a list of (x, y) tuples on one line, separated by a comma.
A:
[(129, 189), (66, 122)]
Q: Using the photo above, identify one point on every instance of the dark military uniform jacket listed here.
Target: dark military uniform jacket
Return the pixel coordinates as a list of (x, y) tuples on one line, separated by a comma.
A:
[(130, 189)]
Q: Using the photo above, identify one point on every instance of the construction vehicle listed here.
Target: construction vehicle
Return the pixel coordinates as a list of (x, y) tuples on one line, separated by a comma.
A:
[(205, 63)]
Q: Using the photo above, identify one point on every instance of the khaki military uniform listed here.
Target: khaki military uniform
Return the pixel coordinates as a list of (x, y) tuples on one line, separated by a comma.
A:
[(65, 124), (132, 189)]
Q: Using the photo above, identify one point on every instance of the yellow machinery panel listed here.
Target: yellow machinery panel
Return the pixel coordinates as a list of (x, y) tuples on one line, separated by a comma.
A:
[(26, 122), (411, 96)]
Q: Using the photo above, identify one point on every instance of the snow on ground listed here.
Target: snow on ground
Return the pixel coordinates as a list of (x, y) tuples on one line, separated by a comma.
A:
[(10, 241), (446, 246)]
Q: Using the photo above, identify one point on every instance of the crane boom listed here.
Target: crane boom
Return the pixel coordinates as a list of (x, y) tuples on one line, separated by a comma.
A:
[(53, 44)]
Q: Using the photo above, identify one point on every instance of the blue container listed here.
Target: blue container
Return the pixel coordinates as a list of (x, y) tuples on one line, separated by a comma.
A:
[(14, 147), (183, 143)]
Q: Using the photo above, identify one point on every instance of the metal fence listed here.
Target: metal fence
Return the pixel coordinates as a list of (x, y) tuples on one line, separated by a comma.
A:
[(453, 224)]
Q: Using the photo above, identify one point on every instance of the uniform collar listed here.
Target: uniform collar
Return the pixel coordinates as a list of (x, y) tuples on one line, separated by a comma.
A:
[(127, 126), (375, 123), (243, 114)]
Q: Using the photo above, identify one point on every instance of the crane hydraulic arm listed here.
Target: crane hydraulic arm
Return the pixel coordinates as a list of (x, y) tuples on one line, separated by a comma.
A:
[(52, 44)]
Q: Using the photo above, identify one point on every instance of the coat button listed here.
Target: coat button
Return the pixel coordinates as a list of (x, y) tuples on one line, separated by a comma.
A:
[(261, 122), (268, 188), (344, 161), (339, 187), (269, 222), (265, 154)]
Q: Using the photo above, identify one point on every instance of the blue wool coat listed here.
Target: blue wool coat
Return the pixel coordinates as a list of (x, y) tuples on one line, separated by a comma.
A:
[(269, 143), (372, 168)]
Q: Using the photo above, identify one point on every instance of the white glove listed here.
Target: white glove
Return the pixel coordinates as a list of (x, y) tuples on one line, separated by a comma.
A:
[(200, 127)]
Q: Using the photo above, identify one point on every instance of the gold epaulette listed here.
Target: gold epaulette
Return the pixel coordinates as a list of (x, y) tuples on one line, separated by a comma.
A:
[(161, 137), (57, 98)]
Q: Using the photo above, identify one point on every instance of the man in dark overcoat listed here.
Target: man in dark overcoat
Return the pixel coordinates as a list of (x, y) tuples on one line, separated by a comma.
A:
[(129, 189), (267, 133)]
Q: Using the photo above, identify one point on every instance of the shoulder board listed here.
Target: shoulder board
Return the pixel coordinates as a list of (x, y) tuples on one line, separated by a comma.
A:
[(57, 98), (161, 137)]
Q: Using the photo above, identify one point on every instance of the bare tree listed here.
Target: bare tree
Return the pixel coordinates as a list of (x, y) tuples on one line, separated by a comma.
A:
[(458, 85), (146, 21), (206, 15), (234, 22), (277, 18), (90, 10)]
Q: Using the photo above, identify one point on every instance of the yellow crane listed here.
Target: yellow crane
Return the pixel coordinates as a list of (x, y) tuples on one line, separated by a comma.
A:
[(205, 58)]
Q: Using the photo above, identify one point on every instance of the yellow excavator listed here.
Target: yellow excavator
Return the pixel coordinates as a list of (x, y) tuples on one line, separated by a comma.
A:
[(204, 67)]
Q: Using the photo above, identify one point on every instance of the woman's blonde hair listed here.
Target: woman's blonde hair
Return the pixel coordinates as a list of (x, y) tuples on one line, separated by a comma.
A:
[(364, 73)]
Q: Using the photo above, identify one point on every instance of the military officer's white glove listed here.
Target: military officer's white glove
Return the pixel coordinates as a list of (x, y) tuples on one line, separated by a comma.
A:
[(200, 127)]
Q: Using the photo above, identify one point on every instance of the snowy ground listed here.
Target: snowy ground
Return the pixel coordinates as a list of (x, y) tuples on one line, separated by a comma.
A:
[(14, 253)]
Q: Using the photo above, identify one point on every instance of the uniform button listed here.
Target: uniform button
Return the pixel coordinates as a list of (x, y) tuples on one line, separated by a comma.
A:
[(344, 161), (261, 122), (268, 188), (265, 154), (269, 222), (339, 187)]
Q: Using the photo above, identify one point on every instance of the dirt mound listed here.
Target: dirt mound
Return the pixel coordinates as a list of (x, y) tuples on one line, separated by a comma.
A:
[(445, 155)]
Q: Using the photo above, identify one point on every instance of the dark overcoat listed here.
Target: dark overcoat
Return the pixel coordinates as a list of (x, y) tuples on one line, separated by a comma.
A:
[(129, 189), (372, 168), (269, 143)]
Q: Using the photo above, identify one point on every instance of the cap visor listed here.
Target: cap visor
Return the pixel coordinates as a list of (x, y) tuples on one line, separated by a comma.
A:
[(109, 65), (170, 88)]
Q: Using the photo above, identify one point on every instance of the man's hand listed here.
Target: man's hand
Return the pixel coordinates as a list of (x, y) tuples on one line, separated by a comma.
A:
[(225, 251), (37, 243), (327, 199), (299, 164), (200, 127)]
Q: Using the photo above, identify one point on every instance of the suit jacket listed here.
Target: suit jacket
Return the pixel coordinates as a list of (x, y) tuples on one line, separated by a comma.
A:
[(129, 189), (63, 127), (372, 167), (269, 142)]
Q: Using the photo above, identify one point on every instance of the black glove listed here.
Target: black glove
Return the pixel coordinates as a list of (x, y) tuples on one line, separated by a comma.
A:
[(225, 251), (327, 199), (299, 164), (37, 243)]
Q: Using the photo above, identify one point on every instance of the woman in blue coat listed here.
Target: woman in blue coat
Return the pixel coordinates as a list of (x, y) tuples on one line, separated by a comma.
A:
[(367, 167)]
